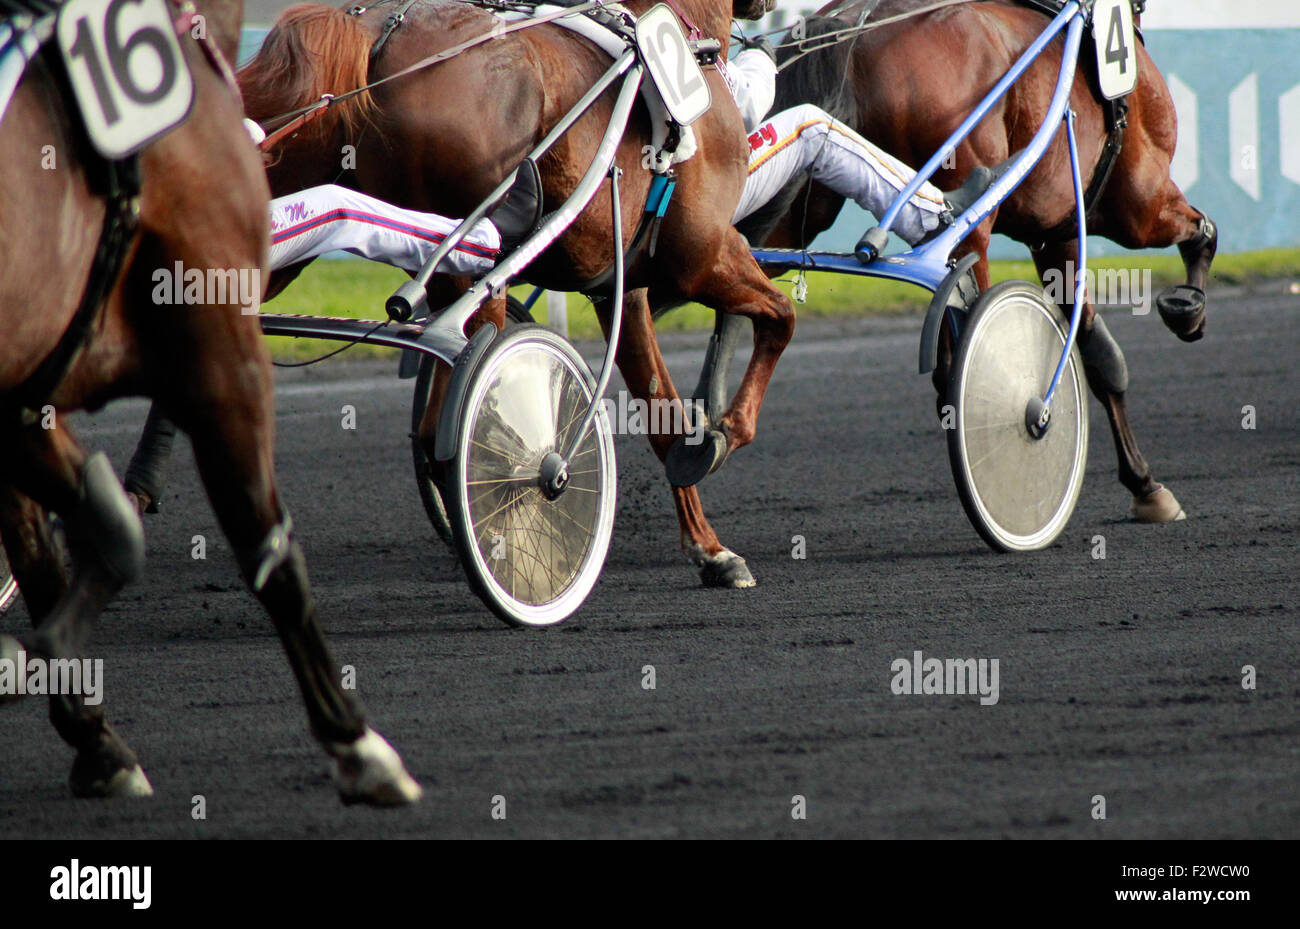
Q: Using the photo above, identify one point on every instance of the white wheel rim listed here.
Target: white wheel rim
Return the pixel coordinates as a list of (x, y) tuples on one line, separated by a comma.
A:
[(538, 559), (1023, 489)]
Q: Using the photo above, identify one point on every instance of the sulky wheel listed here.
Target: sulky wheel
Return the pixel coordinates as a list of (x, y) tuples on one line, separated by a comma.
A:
[(1018, 483), (531, 536)]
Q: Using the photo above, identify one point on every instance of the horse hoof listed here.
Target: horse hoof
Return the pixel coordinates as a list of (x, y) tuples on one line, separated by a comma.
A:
[(689, 463), (1183, 310), (1159, 506), (727, 570), (370, 771), (124, 783)]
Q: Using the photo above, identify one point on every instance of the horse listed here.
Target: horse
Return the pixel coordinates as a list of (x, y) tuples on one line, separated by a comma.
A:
[(441, 138), (907, 85), (202, 204)]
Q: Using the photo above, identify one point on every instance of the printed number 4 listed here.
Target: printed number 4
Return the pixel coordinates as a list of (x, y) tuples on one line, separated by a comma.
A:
[(1116, 50)]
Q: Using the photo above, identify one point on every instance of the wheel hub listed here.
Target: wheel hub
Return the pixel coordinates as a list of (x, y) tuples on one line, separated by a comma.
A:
[(553, 476)]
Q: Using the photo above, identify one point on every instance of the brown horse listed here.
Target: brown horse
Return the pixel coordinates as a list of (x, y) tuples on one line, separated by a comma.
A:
[(203, 204), (908, 85), (442, 138)]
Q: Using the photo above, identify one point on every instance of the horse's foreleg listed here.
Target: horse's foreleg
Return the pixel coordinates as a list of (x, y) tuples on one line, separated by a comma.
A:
[(1107, 372), (647, 378), (1144, 208), (735, 285), (230, 423), (108, 551)]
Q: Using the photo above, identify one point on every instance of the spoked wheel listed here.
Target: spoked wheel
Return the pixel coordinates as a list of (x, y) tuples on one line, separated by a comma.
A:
[(1018, 490), (531, 546), (8, 586), (429, 494)]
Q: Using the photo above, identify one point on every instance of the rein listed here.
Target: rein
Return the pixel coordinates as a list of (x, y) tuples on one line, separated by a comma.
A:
[(844, 35), (186, 18), (304, 115)]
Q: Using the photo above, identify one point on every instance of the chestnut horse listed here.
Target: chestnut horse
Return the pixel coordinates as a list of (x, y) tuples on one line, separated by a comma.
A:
[(203, 203), (440, 139), (908, 85)]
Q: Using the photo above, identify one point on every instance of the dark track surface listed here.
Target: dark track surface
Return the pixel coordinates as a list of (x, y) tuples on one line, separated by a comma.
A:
[(1118, 677)]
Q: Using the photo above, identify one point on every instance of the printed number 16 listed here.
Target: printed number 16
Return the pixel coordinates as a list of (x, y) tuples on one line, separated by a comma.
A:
[(119, 61)]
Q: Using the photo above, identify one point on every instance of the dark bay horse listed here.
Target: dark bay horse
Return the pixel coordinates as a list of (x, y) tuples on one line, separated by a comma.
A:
[(442, 138), (202, 203), (908, 85)]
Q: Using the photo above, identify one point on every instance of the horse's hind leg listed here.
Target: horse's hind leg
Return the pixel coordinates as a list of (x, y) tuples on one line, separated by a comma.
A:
[(107, 546), (647, 377), (105, 766), (1107, 373)]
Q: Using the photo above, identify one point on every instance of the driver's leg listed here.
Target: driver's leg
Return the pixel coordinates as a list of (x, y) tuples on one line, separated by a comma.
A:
[(331, 218), (806, 138)]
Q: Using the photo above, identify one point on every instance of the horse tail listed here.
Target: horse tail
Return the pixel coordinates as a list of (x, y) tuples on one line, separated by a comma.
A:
[(311, 50), (821, 77)]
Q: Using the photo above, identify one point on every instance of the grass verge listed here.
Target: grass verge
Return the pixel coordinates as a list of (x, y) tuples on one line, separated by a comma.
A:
[(358, 288)]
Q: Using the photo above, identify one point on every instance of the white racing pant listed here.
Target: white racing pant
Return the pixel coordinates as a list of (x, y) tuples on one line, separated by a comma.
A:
[(331, 218), (806, 138)]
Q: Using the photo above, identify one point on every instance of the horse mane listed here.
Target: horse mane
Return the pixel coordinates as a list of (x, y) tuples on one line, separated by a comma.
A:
[(311, 50)]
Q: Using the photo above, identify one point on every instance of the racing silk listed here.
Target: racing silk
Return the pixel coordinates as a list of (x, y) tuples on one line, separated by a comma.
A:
[(751, 78)]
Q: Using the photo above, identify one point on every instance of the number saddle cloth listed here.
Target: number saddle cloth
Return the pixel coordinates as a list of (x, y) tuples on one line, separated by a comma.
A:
[(611, 28)]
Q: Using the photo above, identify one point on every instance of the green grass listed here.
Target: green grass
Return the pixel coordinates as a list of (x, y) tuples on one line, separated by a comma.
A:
[(358, 289)]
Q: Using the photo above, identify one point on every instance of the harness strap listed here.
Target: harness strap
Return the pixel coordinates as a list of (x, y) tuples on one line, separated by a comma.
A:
[(390, 24), (120, 220), (187, 17)]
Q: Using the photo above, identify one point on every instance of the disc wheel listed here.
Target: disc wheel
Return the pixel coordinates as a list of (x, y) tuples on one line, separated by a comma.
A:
[(533, 558), (430, 497), (1018, 491), (8, 586)]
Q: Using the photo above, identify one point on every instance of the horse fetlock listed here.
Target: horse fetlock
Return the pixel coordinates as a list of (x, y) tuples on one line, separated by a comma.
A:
[(368, 770), (275, 550), (1103, 359), (1205, 240), (104, 525)]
